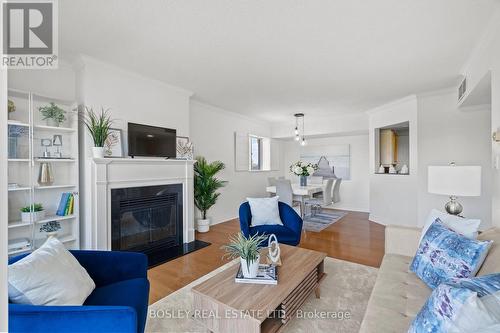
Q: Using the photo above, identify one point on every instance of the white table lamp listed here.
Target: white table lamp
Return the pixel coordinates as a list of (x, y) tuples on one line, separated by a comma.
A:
[(454, 181)]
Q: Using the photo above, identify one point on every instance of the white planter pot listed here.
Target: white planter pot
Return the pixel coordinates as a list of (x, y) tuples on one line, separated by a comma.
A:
[(37, 216), (203, 225), (51, 234), (98, 152), (52, 122), (251, 270)]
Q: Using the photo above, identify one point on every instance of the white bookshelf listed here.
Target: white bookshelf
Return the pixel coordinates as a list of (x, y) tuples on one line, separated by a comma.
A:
[(24, 165)]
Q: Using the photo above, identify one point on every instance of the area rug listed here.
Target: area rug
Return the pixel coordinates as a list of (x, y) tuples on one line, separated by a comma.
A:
[(322, 220), (344, 295)]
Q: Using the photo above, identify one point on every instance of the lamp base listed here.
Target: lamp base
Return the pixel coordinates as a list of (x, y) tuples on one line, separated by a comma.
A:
[(453, 207)]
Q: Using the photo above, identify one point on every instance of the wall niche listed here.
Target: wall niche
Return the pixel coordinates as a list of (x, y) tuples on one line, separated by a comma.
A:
[(392, 149)]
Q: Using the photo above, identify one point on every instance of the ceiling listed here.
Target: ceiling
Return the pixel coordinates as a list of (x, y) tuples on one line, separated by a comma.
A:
[(272, 58)]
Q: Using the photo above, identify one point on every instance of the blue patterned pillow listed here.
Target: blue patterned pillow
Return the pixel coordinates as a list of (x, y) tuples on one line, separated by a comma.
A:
[(450, 300), (444, 254)]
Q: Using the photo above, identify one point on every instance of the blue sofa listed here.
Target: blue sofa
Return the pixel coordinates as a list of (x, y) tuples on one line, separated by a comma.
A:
[(289, 233), (118, 304)]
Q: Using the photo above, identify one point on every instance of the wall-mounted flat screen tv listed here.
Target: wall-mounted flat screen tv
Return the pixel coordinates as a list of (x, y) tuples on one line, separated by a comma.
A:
[(151, 141)]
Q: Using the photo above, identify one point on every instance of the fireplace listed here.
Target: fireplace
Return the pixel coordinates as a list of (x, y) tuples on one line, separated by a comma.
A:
[(147, 219)]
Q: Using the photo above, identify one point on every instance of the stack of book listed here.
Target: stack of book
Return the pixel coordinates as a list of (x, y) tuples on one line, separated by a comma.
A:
[(267, 274), (66, 205)]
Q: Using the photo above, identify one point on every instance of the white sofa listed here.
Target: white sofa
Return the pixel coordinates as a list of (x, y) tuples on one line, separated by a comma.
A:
[(398, 294)]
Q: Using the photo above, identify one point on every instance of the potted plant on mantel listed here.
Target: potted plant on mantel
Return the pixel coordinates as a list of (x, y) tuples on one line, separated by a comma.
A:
[(205, 188), (98, 125), (32, 213), (53, 114), (248, 250)]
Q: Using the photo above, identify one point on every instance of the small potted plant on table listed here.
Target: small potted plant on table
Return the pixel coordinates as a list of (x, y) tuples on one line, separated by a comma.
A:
[(205, 188), (32, 213), (98, 125), (248, 250), (50, 228), (53, 114)]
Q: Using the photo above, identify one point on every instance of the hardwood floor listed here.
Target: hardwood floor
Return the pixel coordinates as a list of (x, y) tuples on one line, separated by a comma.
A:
[(353, 238)]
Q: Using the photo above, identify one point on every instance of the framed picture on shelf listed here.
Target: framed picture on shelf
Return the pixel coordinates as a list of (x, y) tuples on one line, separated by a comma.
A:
[(113, 146), (185, 149)]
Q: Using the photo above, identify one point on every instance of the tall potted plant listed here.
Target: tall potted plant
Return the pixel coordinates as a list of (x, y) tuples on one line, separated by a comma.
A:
[(206, 185), (248, 250), (98, 124)]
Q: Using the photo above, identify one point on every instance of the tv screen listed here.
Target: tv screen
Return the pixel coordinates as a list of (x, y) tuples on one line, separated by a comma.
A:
[(151, 141)]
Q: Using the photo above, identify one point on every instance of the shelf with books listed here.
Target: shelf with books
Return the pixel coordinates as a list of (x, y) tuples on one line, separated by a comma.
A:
[(40, 141)]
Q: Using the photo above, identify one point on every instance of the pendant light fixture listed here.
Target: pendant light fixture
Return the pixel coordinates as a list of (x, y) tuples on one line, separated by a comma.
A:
[(302, 140)]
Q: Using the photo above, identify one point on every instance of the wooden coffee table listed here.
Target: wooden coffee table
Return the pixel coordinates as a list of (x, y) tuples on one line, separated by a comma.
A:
[(223, 305)]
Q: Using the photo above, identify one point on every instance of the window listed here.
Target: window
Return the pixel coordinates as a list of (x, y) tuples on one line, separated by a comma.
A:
[(255, 153), (259, 153)]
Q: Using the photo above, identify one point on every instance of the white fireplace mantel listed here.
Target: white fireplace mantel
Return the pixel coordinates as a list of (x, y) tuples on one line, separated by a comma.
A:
[(112, 173)]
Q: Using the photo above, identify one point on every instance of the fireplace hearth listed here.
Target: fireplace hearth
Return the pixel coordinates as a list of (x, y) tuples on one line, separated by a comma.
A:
[(148, 219)]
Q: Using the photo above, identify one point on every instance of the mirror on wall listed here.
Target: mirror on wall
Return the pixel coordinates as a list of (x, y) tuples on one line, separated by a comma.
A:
[(392, 149)]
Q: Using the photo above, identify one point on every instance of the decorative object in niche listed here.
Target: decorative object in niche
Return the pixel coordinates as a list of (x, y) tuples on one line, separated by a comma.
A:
[(392, 147), (45, 174)]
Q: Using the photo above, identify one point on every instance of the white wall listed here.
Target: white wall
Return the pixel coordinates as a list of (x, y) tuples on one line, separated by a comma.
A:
[(356, 123), (58, 83), (130, 98), (354, 193), (212, 132), (447, 134), (393, 198), (3, 202), (486, 57)]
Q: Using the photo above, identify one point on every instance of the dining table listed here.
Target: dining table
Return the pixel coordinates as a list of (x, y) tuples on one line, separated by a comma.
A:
[(301, 193)]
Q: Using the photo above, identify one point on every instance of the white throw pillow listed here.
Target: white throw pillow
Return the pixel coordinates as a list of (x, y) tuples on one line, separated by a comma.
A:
[(477, 314), (50, 275), (466, 227), (265, 211)]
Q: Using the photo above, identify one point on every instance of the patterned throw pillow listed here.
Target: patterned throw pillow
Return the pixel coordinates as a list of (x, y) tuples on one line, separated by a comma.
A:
[(444, 254), (461, 305)]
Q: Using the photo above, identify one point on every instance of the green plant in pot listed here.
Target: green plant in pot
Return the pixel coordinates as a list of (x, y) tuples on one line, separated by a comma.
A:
[(248, 250), (53, 114), (11, 107), (50, 228), (32, 213), (98, 125), (206, 185)]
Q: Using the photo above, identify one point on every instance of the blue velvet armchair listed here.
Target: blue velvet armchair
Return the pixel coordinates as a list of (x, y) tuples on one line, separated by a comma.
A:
[(118, 303), (289, 233)]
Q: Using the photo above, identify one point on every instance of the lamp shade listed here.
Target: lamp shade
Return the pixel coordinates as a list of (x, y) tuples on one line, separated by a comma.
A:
[(461, 181)]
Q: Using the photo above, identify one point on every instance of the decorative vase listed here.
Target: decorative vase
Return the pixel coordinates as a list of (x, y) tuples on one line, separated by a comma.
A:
[(52, 122), (45, 174), (98, 152), (404, 170), (250, 271), (32, 216), (392, 170), (203, 225), (303, 180)]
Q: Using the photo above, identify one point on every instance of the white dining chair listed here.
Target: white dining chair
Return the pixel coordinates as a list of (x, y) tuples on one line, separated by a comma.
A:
[(317, 203), (285, 193), (336, 190), (315, 180)]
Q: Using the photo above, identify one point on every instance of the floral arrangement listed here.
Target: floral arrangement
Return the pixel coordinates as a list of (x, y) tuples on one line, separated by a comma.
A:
[(51, 226), (303, 169)]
